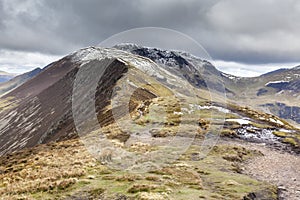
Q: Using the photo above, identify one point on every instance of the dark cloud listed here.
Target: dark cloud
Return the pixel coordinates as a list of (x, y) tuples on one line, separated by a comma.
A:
[(232, 30)]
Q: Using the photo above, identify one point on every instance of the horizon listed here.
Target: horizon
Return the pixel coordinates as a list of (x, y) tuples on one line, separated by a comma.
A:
[(37, 33), (228, 67)]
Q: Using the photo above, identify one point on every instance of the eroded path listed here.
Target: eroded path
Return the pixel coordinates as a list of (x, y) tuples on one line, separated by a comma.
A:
[(276, 167)]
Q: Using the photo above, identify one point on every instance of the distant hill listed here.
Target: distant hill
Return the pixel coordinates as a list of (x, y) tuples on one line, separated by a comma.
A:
[(17, 81), (266, 92), (5, 76)]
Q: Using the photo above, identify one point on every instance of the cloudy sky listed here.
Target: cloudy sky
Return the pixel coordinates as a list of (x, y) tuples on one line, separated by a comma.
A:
[(243, 37)]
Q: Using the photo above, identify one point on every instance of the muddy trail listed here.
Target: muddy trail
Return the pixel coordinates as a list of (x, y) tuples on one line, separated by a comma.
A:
[(277, 166)]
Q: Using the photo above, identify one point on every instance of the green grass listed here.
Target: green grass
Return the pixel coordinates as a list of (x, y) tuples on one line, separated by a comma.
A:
[(214, 177), (291, 141), (280, 133)]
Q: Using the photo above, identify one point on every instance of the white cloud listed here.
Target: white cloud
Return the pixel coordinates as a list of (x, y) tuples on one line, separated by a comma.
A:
[(249, 70), (20, 62)]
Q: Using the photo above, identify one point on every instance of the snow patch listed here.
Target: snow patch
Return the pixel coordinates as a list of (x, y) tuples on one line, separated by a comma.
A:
[(229, 76), (218, 108), (240, 121), (276, 121), (178, 113), (276, 82), (263, 135), (286, 131)]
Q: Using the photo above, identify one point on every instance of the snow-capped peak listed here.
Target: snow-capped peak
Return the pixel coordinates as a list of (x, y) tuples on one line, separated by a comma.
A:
[(144, 64)]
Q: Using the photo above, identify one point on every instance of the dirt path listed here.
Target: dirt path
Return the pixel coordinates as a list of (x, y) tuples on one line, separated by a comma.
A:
[(278, 168)]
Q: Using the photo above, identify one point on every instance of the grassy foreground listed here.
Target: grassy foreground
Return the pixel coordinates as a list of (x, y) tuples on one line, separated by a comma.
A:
[(65, 170)]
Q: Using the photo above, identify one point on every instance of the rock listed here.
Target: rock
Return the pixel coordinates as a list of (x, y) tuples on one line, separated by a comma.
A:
[(231, 183), (121, 197), (152, 196), (91, 177), (232, 158), (282, 188), (250, 196), (66, 183)]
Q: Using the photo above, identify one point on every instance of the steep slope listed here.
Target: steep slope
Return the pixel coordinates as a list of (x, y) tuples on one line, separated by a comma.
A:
[(40, 110), (50, 75), (26, 114), (17, 81)]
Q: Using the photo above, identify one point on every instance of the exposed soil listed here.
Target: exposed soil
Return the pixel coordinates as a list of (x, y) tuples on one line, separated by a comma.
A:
[(276, 167)]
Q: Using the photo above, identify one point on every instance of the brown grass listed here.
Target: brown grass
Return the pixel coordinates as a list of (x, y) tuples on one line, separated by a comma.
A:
[(46, 168)]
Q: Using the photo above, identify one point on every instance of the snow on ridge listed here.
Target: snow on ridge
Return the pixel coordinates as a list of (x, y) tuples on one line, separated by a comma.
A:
[(218, 108), (276, 82), (124, 49), (296, 68), (129, 46), (133, 46), (98, 53), (144, 64), (232, 77)]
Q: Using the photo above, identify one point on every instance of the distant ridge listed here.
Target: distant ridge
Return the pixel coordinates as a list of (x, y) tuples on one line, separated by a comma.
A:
[(5, 76), (17, 81)]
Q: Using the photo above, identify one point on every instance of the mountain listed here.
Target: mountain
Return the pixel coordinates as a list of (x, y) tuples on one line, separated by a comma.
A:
[(49, 120), (183, 63), (134, 122), (17, 81), (4, 76), (31, 109), (275, 82), (32, 115), (274, 92)]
